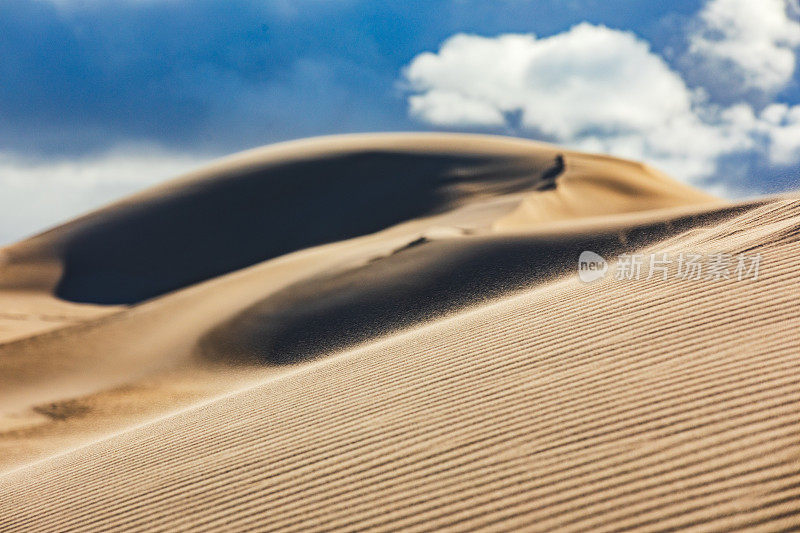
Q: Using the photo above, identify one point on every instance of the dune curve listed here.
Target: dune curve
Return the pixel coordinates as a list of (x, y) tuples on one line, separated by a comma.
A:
[(387, 331)]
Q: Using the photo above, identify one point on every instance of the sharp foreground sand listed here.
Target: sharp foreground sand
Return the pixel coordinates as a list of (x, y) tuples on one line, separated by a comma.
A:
[(388, 332)]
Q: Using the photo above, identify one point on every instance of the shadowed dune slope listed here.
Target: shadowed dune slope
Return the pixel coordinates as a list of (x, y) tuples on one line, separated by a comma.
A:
[(266, 204), (617, 405), (345, 305), (276, 200)]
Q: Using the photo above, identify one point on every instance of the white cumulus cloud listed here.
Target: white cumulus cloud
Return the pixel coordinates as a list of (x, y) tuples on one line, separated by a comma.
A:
[(589, 78), (744, 48), (781, 124), (596, 89)]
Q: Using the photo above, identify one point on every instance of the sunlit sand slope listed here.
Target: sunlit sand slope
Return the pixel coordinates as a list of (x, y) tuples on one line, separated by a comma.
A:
[(648, 405)]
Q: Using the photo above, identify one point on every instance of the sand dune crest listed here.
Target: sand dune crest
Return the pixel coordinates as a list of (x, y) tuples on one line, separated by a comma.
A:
[(387, 332)]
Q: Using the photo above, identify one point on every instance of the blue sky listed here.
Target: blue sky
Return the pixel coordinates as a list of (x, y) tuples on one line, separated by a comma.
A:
[(102, 97)]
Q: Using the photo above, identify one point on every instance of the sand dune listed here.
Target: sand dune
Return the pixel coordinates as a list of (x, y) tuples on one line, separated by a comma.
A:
[(388, 332), (273, 201)]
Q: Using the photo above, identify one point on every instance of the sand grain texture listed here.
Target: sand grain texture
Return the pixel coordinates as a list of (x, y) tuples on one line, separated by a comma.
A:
[(442, 370)]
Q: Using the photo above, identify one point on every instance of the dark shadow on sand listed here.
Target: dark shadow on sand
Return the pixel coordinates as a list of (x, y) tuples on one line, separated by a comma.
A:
[(330, 312), (200, 231)]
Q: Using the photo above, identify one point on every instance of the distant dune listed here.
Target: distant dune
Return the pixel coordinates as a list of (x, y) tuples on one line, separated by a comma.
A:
[(388, 331)]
